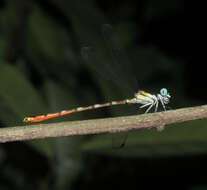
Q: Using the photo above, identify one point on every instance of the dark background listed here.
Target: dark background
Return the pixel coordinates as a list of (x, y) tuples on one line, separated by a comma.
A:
[(44, 68)]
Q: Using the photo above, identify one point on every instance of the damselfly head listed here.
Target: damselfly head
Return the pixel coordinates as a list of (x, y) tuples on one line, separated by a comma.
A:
[(165, 95)]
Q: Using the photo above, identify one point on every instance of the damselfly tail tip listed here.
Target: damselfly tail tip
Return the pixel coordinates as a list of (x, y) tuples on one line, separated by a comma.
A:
[(35, 119), (27, 119)]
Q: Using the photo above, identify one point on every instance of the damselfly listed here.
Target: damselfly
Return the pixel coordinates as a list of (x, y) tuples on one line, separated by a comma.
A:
[(141, 97)]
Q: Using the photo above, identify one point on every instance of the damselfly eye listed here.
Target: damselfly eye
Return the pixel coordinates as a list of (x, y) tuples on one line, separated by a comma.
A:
[(163, 92)]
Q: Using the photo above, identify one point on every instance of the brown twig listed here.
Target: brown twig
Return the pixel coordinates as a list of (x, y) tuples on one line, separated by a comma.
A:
[(109, 125)]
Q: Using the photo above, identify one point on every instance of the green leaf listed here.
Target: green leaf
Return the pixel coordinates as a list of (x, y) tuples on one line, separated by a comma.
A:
[(18, 95)]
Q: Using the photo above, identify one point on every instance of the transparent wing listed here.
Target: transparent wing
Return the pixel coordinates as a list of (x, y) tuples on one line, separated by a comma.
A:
[(100, 65), (121, 61), (115, 68), (110, 63)]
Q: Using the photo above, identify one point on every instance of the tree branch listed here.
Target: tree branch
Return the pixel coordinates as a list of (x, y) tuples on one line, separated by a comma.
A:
[(109, 125)]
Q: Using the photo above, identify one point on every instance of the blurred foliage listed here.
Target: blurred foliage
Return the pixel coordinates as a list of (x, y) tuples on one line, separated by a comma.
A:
[(57, 55)]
